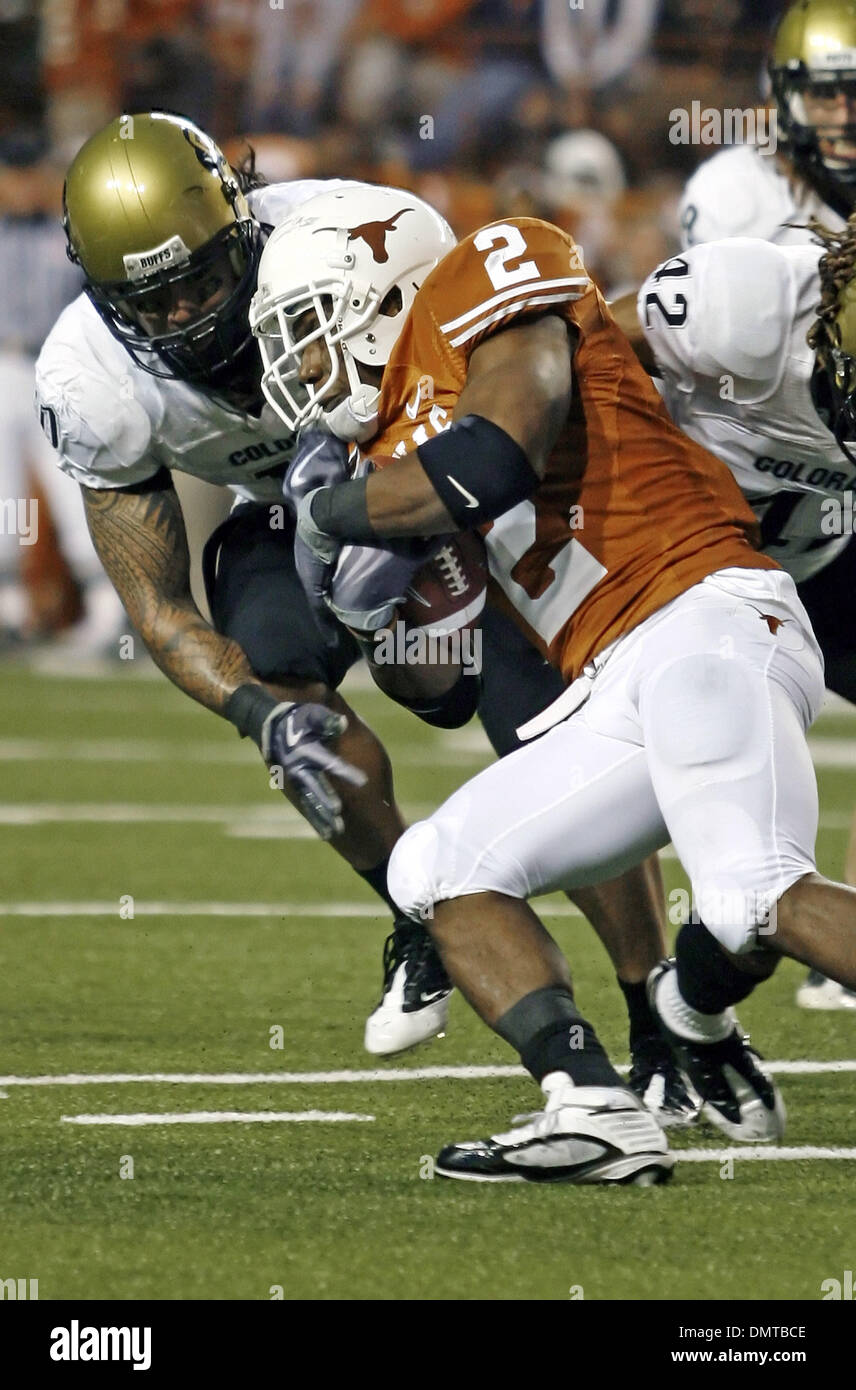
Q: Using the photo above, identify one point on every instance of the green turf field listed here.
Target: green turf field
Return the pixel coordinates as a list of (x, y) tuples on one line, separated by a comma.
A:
[(122, 802)]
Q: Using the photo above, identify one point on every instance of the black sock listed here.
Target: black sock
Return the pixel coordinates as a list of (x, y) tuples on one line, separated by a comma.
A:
[(376, 879), (707, 979), (643, 1024), (548, 1031)]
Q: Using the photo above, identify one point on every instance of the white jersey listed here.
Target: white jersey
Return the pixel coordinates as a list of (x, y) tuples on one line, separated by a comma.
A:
[(113, 424), (727, 323), (742, 192)]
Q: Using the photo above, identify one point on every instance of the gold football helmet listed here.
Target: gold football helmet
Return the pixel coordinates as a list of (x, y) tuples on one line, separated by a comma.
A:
[(156, 218), (813, 72)]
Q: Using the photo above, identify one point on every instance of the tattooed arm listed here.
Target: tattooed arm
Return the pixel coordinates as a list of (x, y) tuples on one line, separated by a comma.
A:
[(142, 544)]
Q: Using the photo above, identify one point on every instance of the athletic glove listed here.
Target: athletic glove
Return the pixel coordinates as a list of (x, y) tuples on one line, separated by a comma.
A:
[(368, 584), (319, 460), (293, 737), (315, 557)]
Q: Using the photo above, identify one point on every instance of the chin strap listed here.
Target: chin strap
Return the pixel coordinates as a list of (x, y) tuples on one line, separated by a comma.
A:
[(811, 167), (354, 419)]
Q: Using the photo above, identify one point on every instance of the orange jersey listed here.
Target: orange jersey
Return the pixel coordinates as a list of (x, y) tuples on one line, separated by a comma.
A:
[(630, 512)]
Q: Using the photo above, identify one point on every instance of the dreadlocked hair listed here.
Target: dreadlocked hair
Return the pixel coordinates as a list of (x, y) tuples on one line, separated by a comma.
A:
[(837, 267), (247, 175)]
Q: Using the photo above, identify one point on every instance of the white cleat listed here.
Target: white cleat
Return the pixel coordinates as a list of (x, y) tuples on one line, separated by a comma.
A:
[(584, 1134), (416, 990), (817, 992)]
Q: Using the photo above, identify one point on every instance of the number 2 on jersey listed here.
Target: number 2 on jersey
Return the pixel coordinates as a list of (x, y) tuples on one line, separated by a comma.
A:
[(496, 262)]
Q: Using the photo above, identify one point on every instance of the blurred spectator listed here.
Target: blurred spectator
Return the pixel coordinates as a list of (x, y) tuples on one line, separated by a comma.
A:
[(21, 86), (643, 232), (448, 78), (752, 29), (171, 72), (582, 165), (504, 75), (402, 61), (38, 281), (298, 45), (593, 50)]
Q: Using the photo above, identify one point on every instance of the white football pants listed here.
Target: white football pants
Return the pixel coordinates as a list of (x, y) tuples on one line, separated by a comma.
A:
[(694, 732)]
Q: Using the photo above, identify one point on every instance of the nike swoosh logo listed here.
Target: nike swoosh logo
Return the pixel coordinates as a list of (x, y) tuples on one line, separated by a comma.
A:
[(297, 475), (426, 603), (471, 501), (413, 410), (431, 998)]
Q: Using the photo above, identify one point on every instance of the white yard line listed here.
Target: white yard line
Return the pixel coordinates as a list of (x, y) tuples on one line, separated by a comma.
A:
[(346, 1077), (193, 909), (833, 752), (757, 1152), (276, 1078), (222, 1117), (141, 908), (133, 813), (826, 752), (252, 821), (21, 750), (15, 750)]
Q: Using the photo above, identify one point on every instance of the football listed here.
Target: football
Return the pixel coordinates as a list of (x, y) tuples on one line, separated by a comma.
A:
[(448, 593)]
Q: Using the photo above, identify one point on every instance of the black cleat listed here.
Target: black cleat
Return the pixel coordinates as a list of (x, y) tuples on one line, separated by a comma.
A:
[(737, 1095), (414, 1005), (657, 1080)]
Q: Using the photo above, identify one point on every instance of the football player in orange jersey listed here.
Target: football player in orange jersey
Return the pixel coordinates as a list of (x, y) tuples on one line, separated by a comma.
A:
[(627, 553), (180, 327)]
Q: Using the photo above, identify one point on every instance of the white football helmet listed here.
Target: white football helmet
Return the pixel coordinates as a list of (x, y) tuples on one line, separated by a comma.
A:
[(357, 257)]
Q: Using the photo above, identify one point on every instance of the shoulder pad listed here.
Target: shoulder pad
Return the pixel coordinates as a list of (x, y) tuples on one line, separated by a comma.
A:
[(100, 431), (739, 192), (724, 307), (748, 297)]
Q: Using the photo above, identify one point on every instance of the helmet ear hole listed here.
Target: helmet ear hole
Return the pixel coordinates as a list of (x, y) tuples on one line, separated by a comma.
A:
[(392, 303)]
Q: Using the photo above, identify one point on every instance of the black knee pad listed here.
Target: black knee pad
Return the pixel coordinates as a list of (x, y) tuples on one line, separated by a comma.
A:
[(452, 710)]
